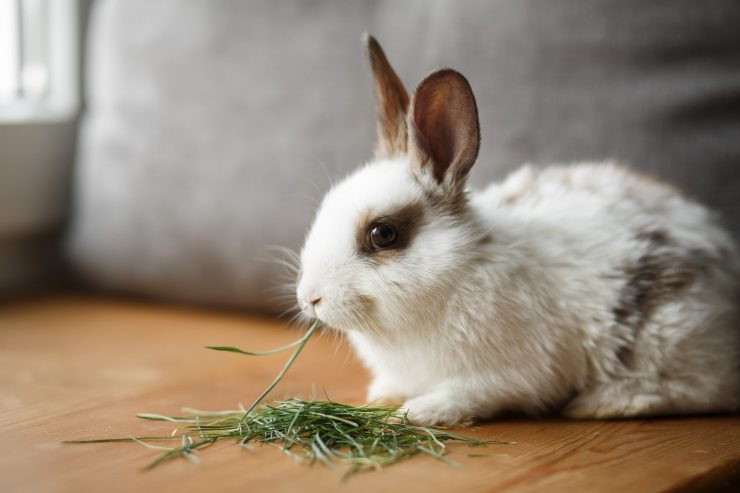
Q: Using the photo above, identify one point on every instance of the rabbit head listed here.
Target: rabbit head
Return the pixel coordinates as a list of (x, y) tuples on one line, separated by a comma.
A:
[(388, 241)]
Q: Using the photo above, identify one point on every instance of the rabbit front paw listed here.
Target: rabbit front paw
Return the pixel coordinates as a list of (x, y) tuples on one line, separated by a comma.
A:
[(437, 409), (384, 392)]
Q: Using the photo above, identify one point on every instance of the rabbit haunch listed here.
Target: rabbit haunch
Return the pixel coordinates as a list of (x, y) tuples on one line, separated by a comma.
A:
[(587, 288)]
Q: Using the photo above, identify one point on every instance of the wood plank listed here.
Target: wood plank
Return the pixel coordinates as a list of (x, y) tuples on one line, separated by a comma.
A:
[(81, 367)]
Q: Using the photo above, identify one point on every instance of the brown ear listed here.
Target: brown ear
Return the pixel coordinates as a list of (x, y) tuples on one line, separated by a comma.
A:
[(444, 135), (392, 103)]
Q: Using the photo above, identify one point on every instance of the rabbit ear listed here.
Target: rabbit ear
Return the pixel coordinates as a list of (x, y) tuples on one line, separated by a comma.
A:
[(392, 103), (444, 134)]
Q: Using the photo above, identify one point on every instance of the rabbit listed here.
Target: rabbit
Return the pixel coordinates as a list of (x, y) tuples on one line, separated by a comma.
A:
[(585, 289)]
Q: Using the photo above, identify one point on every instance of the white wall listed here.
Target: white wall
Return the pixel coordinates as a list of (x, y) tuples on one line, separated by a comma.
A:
[(36, 160), (35, 167)]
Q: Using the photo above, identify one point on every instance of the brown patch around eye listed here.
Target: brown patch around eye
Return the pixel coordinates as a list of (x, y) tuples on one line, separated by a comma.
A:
[(405, 220)]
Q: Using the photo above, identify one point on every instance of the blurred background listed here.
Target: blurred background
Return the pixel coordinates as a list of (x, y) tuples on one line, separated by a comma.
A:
[(159, 147)]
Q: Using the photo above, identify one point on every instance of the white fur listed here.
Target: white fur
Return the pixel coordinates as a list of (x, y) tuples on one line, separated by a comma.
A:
[(510, 304)]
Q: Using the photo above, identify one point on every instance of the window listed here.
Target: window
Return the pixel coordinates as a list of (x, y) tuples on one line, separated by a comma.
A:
[(38, 59)]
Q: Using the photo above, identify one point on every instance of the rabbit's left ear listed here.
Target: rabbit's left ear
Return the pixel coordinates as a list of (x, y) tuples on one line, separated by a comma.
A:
[(444, 135), (392, 103)]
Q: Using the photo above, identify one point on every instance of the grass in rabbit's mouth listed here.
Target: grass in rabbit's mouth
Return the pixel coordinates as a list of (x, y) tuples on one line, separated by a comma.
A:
[(365, 437)]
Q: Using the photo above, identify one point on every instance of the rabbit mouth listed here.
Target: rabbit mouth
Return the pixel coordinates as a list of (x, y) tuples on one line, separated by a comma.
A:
[(347, 315)]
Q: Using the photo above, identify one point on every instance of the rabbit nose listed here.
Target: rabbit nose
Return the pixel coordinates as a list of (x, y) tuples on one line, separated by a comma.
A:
[(309, 295), (310, 304)]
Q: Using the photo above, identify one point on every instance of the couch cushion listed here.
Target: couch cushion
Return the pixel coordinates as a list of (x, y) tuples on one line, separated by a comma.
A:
[(214, 127)]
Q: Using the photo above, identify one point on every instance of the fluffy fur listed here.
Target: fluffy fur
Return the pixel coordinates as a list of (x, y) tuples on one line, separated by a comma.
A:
[(586, 288)]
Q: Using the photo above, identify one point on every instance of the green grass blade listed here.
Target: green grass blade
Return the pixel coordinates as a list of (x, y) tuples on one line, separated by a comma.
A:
[(301, 344)]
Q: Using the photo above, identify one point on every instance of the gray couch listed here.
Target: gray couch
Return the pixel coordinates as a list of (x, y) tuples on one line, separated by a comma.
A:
[(215, 126)]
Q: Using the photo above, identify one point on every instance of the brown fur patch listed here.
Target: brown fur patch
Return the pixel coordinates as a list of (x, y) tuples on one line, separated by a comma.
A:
[(392, 103), (659, 275), (656, 237), (406, 221), (448, 202)]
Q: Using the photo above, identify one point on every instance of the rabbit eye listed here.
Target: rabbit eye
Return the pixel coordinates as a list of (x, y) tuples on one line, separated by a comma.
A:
[(382, 235)]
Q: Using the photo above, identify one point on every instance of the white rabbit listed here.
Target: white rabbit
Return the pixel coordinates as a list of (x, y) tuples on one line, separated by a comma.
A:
[(586, 288)]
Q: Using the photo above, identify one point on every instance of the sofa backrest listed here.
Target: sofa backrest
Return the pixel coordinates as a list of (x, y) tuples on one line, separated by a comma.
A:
[(214, 126)]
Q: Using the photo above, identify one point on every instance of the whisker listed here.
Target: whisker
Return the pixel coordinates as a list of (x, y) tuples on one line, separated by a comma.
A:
[(473, 239), (369, 322), (329, 177)]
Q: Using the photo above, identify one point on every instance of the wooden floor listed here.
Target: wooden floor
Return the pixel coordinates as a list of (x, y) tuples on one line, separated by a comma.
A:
[(76, 367)]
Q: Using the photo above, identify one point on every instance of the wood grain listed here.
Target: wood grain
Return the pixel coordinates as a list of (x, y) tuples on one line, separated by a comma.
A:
[(80, 367)]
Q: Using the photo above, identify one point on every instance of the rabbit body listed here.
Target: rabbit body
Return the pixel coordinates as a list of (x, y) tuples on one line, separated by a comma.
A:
[(587, 288)]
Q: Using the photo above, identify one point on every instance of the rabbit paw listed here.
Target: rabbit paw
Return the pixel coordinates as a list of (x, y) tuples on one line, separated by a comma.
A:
[(383, 392), (437, 409)]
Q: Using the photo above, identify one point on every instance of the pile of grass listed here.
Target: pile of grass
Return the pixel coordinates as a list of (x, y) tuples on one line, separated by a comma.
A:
[(365, 437)]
